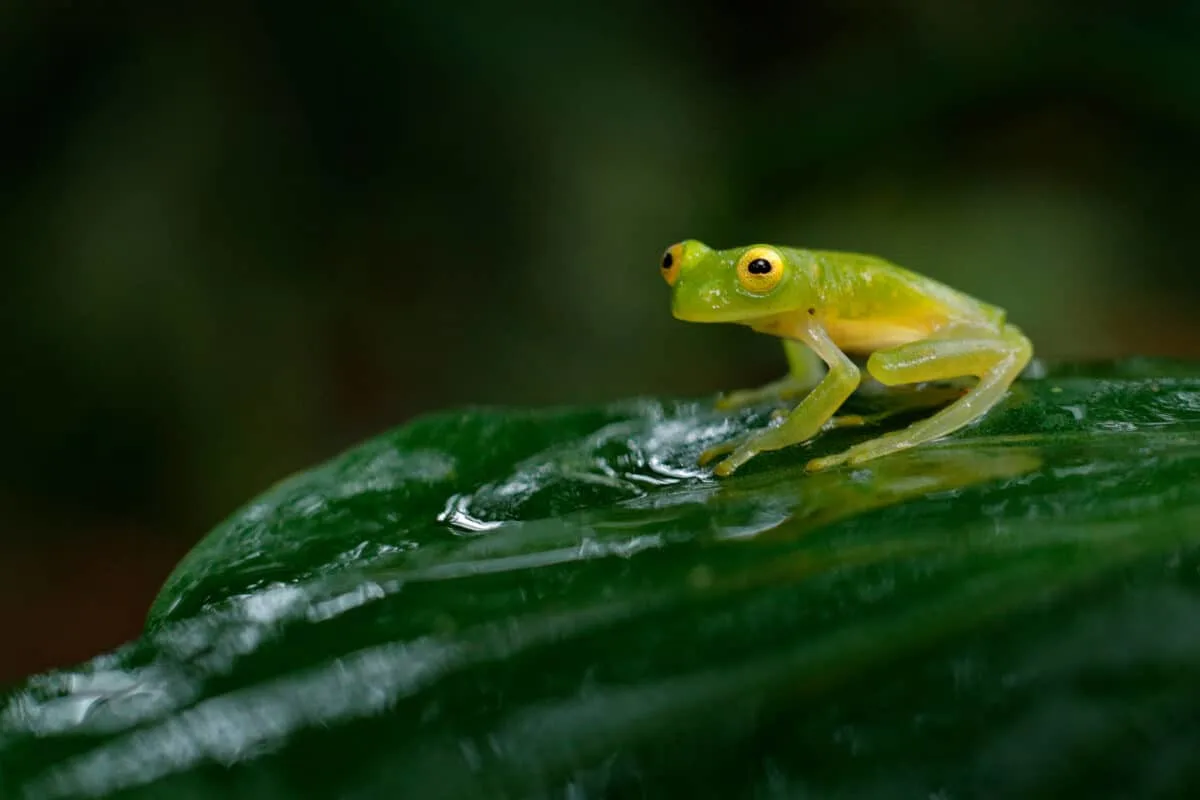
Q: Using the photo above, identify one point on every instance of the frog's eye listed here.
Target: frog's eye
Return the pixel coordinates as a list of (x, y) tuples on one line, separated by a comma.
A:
[(760, 269), (670, 263)]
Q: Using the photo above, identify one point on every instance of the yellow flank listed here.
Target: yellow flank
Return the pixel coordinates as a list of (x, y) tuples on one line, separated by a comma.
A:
[(859, 336), (829, 304)]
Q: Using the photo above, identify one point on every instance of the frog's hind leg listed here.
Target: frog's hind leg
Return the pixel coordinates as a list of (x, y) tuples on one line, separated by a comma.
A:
[(996, 361)]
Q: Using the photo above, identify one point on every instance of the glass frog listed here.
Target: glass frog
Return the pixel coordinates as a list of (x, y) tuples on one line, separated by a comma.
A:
[(828, 306)]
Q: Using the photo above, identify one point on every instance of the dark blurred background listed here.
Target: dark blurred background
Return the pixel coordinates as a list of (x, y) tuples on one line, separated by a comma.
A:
[(238, 237)]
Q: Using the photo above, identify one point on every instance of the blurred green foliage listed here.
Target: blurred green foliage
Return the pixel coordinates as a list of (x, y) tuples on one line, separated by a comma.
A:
[(239, 236)]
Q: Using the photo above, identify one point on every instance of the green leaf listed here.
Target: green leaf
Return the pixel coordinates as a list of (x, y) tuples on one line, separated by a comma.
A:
[(512, 603)]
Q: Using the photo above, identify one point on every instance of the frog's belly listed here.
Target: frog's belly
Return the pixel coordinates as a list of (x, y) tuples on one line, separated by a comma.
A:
[(868, 335)]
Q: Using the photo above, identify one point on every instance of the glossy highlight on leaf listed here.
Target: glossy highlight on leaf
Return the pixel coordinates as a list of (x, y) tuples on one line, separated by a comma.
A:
[(528, 603)]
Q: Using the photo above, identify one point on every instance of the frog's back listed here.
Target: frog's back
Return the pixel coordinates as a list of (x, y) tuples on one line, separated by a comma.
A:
[(868, 286), (870, 304)]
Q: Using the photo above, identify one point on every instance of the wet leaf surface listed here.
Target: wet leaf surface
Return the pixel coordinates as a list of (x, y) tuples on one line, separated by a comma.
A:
[(514, 603)]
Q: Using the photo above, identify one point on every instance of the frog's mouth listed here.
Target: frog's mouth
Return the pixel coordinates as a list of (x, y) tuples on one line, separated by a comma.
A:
[(715, 310), (707, 304), (707, 315)]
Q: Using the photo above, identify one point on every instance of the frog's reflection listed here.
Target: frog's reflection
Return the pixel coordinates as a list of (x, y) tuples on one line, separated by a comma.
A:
[(795, 502)]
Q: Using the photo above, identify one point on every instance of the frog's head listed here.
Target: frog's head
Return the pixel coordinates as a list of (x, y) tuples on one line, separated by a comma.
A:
[(742, 284)]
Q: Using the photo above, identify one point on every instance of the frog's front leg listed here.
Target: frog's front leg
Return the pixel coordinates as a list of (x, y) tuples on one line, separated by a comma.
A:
[(996, 361), (804, 373), (807, 419)]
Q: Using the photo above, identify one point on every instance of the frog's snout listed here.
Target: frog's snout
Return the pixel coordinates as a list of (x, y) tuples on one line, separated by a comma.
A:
[(705, 304)]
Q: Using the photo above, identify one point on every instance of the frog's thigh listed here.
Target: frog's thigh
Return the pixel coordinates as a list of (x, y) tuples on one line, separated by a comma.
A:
[(936, 360)]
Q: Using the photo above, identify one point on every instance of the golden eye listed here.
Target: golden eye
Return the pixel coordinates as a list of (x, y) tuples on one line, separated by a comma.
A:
[(670, 263), (760, 269)]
